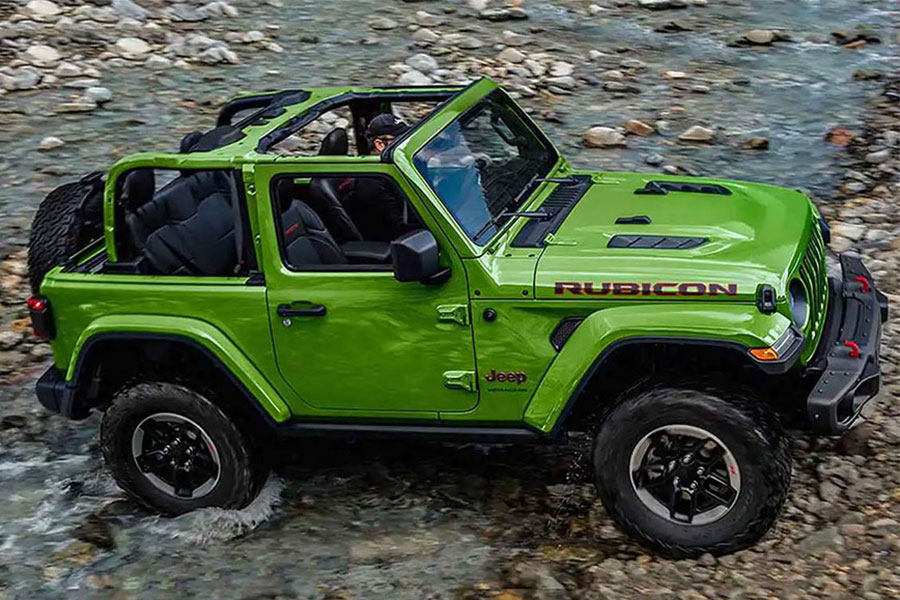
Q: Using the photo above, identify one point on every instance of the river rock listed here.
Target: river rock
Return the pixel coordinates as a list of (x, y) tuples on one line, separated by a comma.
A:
[(698, 133), (537, 68), (423, 34), (382, 24), (821, 541), (511, 55), (511, 38), (129, 9), (41, 55), (41, 9), (422, 63), (468, 42), (561, 69), (603, 137), (867, 74), (67, 69), (50, 142), (80, 105), (426, 19), (93, 530), (565, 82), (22, 78), (503, 14), (188, 14), (99, 95), (662, 4), (757, 143), (413, 78), (760, 37), (639, 128), (219, 9), (157, 62), (132, 47), (9, 339), (218, 53), (878, 157)]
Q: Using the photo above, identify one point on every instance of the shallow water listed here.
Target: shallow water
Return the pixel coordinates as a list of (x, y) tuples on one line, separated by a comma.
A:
[(384, 521)]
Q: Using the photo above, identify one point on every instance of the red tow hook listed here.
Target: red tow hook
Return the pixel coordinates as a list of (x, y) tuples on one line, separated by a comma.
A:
[(864, 282), (854, 348)]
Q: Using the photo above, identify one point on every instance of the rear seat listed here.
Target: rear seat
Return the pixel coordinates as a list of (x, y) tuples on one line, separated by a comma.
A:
[(187, 227)]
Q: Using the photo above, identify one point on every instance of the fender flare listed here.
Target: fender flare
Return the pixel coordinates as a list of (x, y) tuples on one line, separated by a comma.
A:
[(734, 326), (201, 336)]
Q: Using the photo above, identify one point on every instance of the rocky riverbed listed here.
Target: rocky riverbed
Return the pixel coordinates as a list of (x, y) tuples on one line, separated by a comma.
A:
[(803, 94)]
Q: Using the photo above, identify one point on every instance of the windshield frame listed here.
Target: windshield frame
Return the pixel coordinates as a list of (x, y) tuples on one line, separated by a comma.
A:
[(553, 159)]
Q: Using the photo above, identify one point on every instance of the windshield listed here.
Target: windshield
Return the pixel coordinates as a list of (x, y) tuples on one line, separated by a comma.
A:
[(480, 164)]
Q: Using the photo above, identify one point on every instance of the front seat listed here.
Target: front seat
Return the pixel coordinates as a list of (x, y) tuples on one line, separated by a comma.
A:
[(306, 240), (335, 143), (327, 194)]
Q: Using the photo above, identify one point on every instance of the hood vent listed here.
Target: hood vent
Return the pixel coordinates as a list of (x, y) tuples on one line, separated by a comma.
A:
[(656, 242), (661, 188), (559, 204)]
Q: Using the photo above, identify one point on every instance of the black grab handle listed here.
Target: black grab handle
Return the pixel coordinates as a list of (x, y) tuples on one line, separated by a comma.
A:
[(308, 310)]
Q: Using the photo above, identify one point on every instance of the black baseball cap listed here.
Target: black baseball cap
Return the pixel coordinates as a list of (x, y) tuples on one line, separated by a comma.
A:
[(386, 124)]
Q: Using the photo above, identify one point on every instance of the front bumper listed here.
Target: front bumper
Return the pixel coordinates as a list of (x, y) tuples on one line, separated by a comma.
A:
[(847, 358)]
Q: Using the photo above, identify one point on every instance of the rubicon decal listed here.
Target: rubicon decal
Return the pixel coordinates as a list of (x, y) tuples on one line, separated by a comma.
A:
[(629, 288), (517, 377)]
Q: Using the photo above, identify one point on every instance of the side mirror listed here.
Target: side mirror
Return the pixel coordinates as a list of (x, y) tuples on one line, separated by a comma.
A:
[(415, 258)]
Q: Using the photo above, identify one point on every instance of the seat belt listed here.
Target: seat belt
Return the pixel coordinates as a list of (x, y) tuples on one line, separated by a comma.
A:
[(238, 223)]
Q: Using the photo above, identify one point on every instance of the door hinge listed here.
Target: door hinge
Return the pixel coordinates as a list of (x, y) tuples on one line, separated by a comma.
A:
[(464, 380), (552, 240), (456, 313)]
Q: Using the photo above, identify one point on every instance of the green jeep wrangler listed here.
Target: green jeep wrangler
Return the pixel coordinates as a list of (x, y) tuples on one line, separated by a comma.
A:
[(277, 278)]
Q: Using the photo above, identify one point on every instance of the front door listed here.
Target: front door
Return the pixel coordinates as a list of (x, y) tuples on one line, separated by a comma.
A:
[(347, 335)]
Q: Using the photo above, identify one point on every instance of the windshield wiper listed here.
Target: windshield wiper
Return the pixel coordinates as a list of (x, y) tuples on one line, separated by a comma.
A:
[(533, 214), (543, 215)]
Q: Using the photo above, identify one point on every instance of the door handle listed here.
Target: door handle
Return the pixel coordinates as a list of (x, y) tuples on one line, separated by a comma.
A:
[(306, 310)]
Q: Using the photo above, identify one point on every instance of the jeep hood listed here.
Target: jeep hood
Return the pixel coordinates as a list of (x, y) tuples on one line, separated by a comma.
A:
[(746, 238)]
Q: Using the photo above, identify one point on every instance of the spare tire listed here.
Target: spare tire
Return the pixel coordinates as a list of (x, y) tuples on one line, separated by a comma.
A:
[(68, 219)]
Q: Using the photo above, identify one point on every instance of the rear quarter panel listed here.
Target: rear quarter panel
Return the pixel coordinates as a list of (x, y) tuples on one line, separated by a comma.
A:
[(226, 316)]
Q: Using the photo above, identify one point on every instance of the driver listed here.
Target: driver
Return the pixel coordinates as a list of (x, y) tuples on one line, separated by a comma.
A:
[(376, 206)]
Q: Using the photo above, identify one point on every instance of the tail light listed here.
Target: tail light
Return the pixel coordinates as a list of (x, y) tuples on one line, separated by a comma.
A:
[(41, 317)]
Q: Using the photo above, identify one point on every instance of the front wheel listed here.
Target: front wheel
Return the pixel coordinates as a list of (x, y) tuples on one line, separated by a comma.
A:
[(689, 471), (174, 451)]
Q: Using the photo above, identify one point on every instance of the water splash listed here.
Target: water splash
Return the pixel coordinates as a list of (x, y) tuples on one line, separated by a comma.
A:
[(218, 524)]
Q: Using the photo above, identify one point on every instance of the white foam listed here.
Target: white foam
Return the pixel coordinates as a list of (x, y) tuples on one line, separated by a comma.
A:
[(207, 525)]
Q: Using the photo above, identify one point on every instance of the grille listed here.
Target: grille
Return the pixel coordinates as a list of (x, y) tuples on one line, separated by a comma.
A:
[(813, 275)]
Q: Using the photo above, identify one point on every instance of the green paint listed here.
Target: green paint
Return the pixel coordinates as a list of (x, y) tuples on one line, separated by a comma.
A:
[(392, 350)]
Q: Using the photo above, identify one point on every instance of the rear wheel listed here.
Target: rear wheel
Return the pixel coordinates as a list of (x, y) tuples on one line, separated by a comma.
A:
[(689, 471), (174, 451)]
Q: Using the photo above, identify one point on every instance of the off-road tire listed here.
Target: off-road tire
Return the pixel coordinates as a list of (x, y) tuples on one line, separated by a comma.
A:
[(59, 229), (242, 469), (751, 432)]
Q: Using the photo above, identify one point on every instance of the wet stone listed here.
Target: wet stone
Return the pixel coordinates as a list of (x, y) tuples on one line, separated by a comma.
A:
[(95, 531)]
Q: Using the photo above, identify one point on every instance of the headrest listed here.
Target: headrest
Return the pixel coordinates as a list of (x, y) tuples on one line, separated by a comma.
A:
[(335, 143), (138, 188), (189, 141)]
